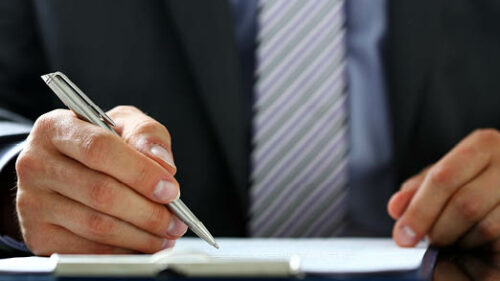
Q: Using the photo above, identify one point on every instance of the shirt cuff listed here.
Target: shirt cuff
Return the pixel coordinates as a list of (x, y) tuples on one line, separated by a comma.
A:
[(10, 247)]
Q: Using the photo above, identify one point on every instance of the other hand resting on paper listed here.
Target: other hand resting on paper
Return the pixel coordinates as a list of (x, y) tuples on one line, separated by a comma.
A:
[(81, 189), (456, 200)]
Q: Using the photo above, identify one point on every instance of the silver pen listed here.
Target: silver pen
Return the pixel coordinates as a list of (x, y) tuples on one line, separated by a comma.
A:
[(86, 110)]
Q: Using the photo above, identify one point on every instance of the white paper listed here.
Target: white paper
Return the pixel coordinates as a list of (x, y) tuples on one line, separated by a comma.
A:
[(332, 255), (28, 265)]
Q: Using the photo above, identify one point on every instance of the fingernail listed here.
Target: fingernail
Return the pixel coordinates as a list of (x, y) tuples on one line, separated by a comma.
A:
[(406, 236), (162, 153), (166, 191), (176, 227), (167, 244)]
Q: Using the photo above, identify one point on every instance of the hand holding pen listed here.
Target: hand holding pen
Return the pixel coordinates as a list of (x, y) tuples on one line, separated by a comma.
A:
[(82, 189)]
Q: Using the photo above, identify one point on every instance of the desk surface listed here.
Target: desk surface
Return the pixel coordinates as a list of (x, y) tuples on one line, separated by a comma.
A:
[(449, 265)]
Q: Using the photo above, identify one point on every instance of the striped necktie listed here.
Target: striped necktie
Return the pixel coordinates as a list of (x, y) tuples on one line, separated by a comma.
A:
[(299, 157)]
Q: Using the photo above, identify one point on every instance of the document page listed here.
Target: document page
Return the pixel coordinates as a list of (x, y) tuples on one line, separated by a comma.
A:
[(319, 256), (28, 265), (331, 255)]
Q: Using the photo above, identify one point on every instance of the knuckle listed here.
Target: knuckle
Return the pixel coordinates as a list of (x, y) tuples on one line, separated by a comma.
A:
[(489, 229), (440, 175), (24, 203), (94, 146), (101, 226), (121, 111), (124, 109), (467, 151), (150, 125), (487, 135), (44, 123), (26, 164), (102, 194), (142, 178), (157, 217), (47, 122), (468, 207)]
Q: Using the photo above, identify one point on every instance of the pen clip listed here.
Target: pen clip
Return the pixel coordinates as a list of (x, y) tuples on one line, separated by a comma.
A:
[(83, 98)]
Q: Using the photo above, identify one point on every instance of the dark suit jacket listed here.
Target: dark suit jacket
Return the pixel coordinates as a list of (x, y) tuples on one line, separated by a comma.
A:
[(177, 61)]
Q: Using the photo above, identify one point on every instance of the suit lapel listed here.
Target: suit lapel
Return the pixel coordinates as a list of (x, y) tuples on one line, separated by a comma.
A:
[(412, 39), (206, 32)]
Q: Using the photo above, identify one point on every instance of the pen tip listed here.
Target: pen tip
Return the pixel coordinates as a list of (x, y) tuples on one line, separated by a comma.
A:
[(216, 245)]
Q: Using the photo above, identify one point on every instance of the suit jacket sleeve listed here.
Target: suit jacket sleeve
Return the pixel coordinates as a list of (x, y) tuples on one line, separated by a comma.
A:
[(23, 96)]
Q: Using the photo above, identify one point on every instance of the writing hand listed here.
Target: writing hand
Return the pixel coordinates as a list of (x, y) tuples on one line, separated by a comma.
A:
[(82, 189)]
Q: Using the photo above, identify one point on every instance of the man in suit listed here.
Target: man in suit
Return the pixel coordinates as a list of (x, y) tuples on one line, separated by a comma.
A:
[(421, 76)]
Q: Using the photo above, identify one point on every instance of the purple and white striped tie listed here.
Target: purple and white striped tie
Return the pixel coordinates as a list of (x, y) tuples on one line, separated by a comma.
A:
[(299, 157)]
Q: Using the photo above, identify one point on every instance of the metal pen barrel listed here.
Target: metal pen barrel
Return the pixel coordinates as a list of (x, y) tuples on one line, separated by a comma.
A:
[(85, 109), (183, 213)]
